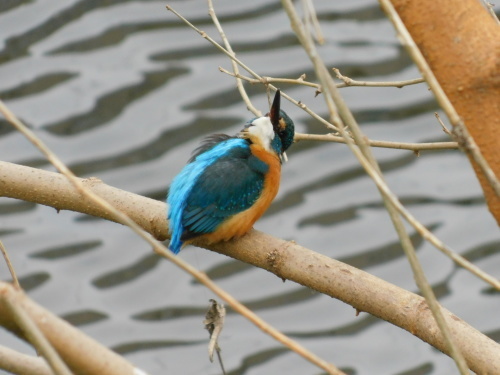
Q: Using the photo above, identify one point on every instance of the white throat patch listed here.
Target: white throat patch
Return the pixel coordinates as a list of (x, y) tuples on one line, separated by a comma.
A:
[(262, 129)]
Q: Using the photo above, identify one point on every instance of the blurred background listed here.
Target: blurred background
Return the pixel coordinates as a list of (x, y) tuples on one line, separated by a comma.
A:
[(124, 91)]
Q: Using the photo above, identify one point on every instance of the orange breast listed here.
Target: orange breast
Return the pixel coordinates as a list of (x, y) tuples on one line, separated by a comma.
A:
[(242, 222)]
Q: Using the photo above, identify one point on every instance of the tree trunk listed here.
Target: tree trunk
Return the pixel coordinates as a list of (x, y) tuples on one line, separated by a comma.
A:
[(460, 41)]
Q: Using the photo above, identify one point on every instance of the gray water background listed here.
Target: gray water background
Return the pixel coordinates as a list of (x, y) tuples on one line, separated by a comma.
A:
[(124, 91)]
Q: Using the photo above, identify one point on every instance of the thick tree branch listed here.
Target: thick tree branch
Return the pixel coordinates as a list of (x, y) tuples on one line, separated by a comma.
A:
[(285, 259), (82, 354), (54, 190), (107, 207), (22, 364), (33, 333)]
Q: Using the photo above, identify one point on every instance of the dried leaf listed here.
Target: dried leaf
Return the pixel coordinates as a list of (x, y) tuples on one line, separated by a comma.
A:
[(214, 321)]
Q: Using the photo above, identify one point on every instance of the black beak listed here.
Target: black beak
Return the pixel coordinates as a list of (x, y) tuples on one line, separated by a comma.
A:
[(274, 113)]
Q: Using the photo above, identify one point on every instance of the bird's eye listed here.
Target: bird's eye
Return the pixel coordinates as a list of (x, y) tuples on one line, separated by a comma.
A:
[(249, 125)]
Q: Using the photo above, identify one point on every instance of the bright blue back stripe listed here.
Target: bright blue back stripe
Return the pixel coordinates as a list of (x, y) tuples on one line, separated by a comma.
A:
[(183, 184)]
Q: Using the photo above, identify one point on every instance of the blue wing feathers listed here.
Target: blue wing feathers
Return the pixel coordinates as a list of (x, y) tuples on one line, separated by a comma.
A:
[(225, 188), (222, 179), (209, 142)]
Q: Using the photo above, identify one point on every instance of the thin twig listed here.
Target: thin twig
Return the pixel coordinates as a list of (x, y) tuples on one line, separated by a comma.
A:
[(363, 154), (385, 144), (351, 82), (311, 20), (213, 42), (266, 80), (249, 70), (239, 82), (346, 81), (36, 337), (469, 145), (12, 271), (443, 126), (122, 218), (489, 6), (460, 131)]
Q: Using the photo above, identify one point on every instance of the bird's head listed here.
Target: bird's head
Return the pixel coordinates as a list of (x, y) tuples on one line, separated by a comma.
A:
[(283, 125), (274, 131)]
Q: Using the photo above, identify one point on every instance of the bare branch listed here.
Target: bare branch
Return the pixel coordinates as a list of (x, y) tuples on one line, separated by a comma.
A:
[(12, 271), (123, 218), (249, 70), (337, 105), (81, 354), (239, 83), (351, 82), (286, 259), (22, 364), (443, 126), (35, 336), (266, 80), (489, 6), (384, 144), (346, 81), (311, 20)]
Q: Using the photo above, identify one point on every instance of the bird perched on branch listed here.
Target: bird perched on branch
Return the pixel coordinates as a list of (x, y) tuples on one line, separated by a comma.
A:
[(230, 181)]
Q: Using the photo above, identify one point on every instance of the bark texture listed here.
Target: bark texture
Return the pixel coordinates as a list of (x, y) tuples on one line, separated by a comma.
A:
[(461, 43), (82, 354), (285, 259)]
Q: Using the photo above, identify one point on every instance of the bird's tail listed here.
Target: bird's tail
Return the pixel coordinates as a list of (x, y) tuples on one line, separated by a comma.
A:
[(175, 244)]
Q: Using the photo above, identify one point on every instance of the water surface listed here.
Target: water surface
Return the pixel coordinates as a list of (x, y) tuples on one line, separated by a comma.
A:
[(123, 90)]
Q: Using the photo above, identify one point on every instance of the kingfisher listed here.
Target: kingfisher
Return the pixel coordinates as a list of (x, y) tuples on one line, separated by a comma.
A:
[(230, 181)]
